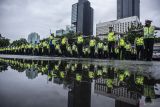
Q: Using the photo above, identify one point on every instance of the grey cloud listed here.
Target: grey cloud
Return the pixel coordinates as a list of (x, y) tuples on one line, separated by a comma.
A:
[(18, 18)]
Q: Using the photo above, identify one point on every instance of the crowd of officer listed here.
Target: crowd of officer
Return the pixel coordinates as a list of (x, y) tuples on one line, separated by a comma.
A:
[(112, 48)]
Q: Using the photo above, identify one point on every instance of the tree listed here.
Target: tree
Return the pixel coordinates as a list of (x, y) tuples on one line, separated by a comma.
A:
[(4, 42), (19, 42)]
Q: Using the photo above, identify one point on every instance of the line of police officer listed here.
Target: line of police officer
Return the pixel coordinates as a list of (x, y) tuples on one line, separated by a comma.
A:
[(94, 49)]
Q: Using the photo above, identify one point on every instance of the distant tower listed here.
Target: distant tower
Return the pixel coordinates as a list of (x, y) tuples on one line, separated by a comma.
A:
[(82, 17), (128, 8)]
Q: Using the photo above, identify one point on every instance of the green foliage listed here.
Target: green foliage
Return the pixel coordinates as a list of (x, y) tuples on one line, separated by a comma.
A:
[(19, 42), (4, 42)]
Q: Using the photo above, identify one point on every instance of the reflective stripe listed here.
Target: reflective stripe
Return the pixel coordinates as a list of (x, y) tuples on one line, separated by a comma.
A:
[(139, 41), (111, 37), (149, 32)]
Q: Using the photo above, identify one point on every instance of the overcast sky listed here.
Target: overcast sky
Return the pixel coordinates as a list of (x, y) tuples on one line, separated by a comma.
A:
[(18, 18)]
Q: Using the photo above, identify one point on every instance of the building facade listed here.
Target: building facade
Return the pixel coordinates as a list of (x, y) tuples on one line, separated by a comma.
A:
[(120, 26), (33, 38), (82, 17), (59, 32), (69, 29), (128, 8)]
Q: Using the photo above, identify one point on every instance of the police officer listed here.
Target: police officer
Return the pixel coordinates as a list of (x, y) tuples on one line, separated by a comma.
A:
[(149, 31), (64, 43), (100, 49), (111, 43), (139, 44), (74, 50), (128, 51), (80, 45), (105, 50), (121, 44), (57, 49), (51, 45), (92, 45)]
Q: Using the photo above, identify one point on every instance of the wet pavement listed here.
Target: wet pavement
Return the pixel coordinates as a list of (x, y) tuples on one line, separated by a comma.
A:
[(27, 81)]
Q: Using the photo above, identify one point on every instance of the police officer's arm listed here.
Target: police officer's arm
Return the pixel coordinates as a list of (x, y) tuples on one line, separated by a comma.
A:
[(157, 28)]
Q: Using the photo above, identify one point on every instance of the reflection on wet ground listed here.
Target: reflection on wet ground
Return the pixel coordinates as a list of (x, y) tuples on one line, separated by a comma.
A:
[(75, 84)]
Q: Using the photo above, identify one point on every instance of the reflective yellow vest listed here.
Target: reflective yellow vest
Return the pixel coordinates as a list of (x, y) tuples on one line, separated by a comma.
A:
[(64, 40), (50, 37), (105, 47), (139, 41), (80, 40), (100, 45), (128, 47), (92, 43), (121, 42), (149, 32), (111, 37)]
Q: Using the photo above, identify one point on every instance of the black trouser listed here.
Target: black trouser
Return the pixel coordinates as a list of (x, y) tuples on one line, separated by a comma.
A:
[(92, 51), (64, 50), (140, 52), (111, 51), (100, 53), (52, 50), (128, 55), (40, 52), (74, 54), (36, 52), (105, 54), (80, 50), (121, 52), (148, 44)]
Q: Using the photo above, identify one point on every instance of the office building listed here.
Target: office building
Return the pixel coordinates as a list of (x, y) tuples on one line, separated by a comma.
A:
[(61, 32), (121, 26), (128, 8), (33, 38), (82, 17)]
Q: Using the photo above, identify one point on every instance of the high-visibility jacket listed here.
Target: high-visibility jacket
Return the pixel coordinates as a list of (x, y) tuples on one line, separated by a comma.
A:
[(121, 42), (105, 47), (139, 41), (100, 45), (78, 77), (50, 37), (74, 48), (109, 83), (116, 50), (128, 47), (111, 37), (91, 74), (54, 42), (80, 40), (64, 41), (149, 32), (92, 43)]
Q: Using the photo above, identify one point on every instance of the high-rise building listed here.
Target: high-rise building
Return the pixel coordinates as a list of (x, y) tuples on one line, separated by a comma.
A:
[(128, 8), (33, 38), (82, 17)]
